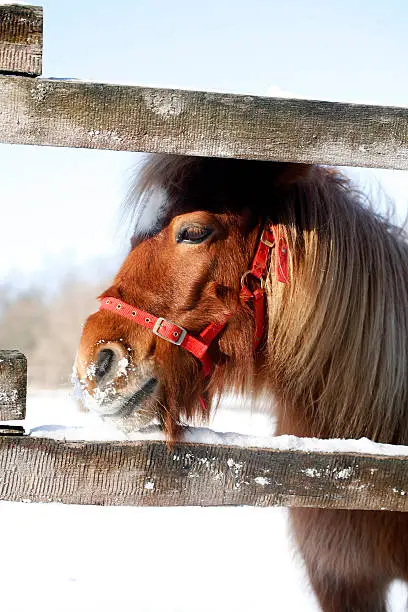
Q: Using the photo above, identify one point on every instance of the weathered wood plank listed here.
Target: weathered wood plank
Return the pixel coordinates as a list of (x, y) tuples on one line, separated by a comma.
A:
[(144, 473), (124, 118), (13, 385), (21, 39)]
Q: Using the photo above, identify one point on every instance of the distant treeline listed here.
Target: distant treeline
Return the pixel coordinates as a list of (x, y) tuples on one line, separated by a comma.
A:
[(46, 326)]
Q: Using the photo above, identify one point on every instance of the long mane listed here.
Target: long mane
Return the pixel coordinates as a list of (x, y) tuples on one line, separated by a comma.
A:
[(338, 331), (338, 339)]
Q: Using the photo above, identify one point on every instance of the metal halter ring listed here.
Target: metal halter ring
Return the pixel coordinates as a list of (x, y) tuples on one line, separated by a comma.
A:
[(247, 273)]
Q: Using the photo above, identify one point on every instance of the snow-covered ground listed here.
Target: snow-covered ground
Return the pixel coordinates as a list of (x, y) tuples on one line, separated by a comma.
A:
[(58, 558)]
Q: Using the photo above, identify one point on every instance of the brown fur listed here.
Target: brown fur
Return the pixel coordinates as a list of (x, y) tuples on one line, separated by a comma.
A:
[(334, 354)]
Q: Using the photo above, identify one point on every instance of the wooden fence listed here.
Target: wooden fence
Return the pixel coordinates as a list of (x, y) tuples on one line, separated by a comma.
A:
[(78, 114)]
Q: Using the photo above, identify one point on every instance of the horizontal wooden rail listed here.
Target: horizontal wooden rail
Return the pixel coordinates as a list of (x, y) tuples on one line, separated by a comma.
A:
[(21, 38), (146, 473), (124, 118), (13, 385)]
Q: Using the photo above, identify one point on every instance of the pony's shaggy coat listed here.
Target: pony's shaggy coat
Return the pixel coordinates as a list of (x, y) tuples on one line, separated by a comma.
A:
[(334, 355)]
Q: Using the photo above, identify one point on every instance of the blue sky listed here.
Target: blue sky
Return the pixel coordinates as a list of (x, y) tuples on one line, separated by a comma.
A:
[(59, 206)]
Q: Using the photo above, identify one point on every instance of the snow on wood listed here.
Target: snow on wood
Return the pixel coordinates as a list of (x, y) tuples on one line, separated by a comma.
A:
[(148, 473), (208, 468), (203, 435)]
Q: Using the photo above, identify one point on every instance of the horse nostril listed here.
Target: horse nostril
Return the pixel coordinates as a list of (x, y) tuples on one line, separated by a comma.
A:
[(104, 363)]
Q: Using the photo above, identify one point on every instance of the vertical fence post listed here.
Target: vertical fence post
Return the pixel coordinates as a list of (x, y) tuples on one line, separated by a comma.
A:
[(13, 385), (21, 39)]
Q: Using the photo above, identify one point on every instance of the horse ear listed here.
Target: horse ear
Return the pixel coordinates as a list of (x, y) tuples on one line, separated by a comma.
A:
[(113, 291)]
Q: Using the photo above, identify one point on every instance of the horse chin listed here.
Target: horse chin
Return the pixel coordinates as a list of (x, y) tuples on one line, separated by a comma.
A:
[(128, 411), (137, 410), (139, 400)]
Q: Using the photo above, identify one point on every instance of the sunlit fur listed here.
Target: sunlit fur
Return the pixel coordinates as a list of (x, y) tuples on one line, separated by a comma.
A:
[(333, 361)]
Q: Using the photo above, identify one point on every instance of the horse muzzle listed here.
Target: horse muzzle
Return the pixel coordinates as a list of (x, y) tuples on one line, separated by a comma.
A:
[(110, 384)]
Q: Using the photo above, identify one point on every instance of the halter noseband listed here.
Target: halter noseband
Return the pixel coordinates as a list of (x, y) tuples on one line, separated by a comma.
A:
[(198, 345)]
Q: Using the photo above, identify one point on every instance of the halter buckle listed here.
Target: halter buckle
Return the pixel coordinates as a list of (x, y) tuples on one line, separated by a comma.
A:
[(159, 323)]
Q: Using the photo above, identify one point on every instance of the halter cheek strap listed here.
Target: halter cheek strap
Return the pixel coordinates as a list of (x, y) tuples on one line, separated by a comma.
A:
[(198, 345), (258, 270)]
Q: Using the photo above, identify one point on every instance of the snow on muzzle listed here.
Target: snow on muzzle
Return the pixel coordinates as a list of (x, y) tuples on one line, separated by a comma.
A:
[(109, 384)]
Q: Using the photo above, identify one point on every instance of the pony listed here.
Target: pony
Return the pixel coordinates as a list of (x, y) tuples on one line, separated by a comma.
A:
[(332, 346)]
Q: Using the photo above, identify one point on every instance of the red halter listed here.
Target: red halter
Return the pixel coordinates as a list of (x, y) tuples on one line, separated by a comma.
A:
[(198, 345)]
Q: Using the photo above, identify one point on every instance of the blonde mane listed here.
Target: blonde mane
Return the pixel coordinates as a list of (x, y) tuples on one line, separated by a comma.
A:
[(338, 334)]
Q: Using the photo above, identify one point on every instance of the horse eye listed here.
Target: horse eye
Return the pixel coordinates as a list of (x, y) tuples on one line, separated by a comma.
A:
[(193, 234)]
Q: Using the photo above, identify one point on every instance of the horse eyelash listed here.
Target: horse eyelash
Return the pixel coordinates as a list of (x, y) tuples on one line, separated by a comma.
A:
[(202, 233)]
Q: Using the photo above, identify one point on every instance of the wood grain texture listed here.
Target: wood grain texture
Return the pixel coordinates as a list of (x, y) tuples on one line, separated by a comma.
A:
[(144, 473), (13, 385), (21, 39), (124, 118)]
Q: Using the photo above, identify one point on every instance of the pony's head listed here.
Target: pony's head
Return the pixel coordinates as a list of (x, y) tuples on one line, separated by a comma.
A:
[(334, 343), (197, 223)]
